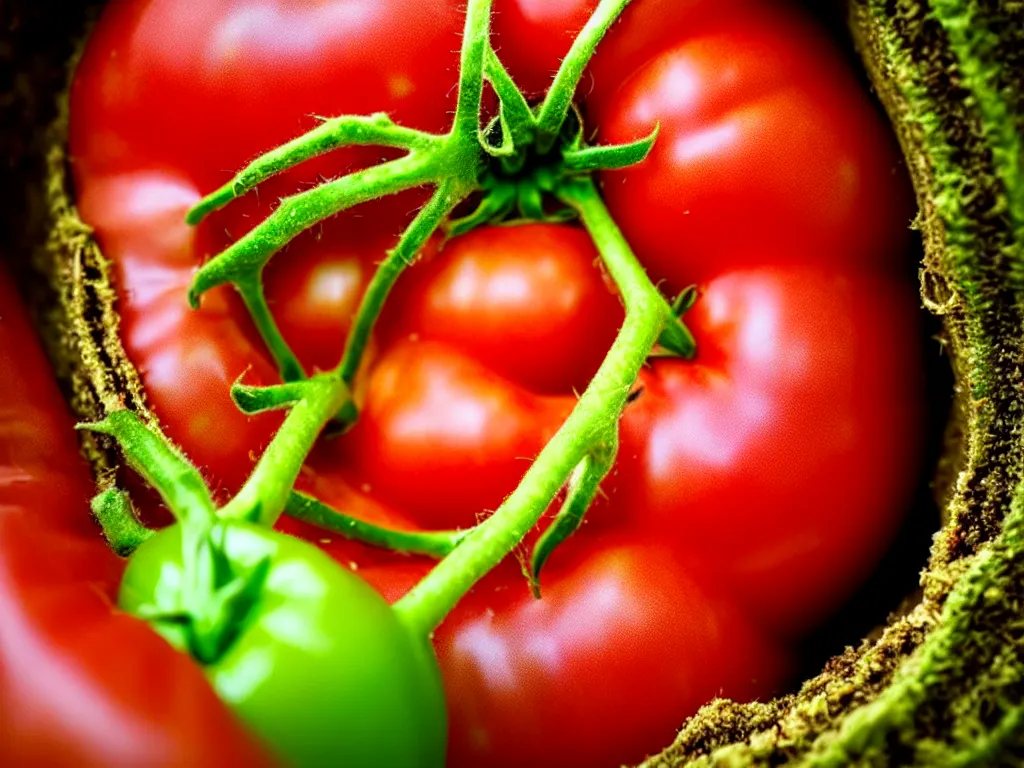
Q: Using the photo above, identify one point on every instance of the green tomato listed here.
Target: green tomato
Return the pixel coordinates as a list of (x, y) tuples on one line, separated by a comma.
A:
[(318, 664)]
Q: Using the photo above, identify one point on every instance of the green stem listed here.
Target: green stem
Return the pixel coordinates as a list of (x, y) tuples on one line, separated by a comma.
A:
[(513, 103), (497, 203), (559, 98), (159, 462), (305, 209), (122, 529), (583, 487), (448, 195), (333, 133), (432, 543), (266, 492), (251, 291), (596, 413), (253, 400), (457, 166), (602, 158), (518, 124), (475, 42)]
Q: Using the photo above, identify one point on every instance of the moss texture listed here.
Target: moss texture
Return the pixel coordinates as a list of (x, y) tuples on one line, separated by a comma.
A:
[(943, 684)]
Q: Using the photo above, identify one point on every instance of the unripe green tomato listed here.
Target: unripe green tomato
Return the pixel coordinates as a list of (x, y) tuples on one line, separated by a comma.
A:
[(321, 668)]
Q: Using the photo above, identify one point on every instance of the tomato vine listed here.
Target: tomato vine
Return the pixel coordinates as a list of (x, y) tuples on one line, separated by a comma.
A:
[(204, 607)]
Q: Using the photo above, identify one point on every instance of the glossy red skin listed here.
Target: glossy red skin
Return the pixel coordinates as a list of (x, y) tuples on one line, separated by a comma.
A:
[(540, 679), (803, 379), (81, 684), (426, 455), (739, 159), (542, 277), (767, 151)]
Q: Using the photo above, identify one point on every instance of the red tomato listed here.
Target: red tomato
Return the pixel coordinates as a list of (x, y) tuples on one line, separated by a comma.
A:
[(524, 304), (435, 420), (610, 635), (80, 683), (780, 456), (754, 486), (765, 155)]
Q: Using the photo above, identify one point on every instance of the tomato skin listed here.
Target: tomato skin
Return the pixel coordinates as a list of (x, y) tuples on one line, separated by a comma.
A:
[(790, 225), (607, 637), (799, 383), (771, 158), (230, 59), (322, 668), (81, 684), (436, 420), (533, 36), (524, 304)]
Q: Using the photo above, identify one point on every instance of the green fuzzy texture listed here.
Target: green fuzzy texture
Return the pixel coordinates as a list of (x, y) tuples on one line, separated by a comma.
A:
[(943, 683)]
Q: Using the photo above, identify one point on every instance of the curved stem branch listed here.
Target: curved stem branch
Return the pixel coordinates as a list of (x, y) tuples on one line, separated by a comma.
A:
[(302, 211), (251, 291), (113, 511), (332, 133), (583, 487), (512, 100), (475, 42), (265, 493), (431, 543), (159, 462), (448, 195), (606, 157), (253, 400), (596, 413), (518, 123)]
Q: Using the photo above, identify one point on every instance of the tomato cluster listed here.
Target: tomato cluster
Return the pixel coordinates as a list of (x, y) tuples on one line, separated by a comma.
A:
[(755, 485)]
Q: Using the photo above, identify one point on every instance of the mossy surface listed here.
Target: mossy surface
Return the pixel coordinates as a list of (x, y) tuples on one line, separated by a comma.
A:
[(943, 684)]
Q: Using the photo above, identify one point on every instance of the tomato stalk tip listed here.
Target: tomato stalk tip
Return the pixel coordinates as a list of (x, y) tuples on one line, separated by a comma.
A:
[(148, 451), (113, 511)]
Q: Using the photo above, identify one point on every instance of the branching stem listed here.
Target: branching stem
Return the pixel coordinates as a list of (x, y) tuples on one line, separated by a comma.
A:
[(596, 413), (333, 133), (263, 497)]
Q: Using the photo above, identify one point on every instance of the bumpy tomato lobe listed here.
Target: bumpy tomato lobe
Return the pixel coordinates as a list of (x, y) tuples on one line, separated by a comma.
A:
[(226, 61), (434, 420), (609, 635), (534, 36), (526, 301), (784, 454), (765, 154), (314, 287)]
